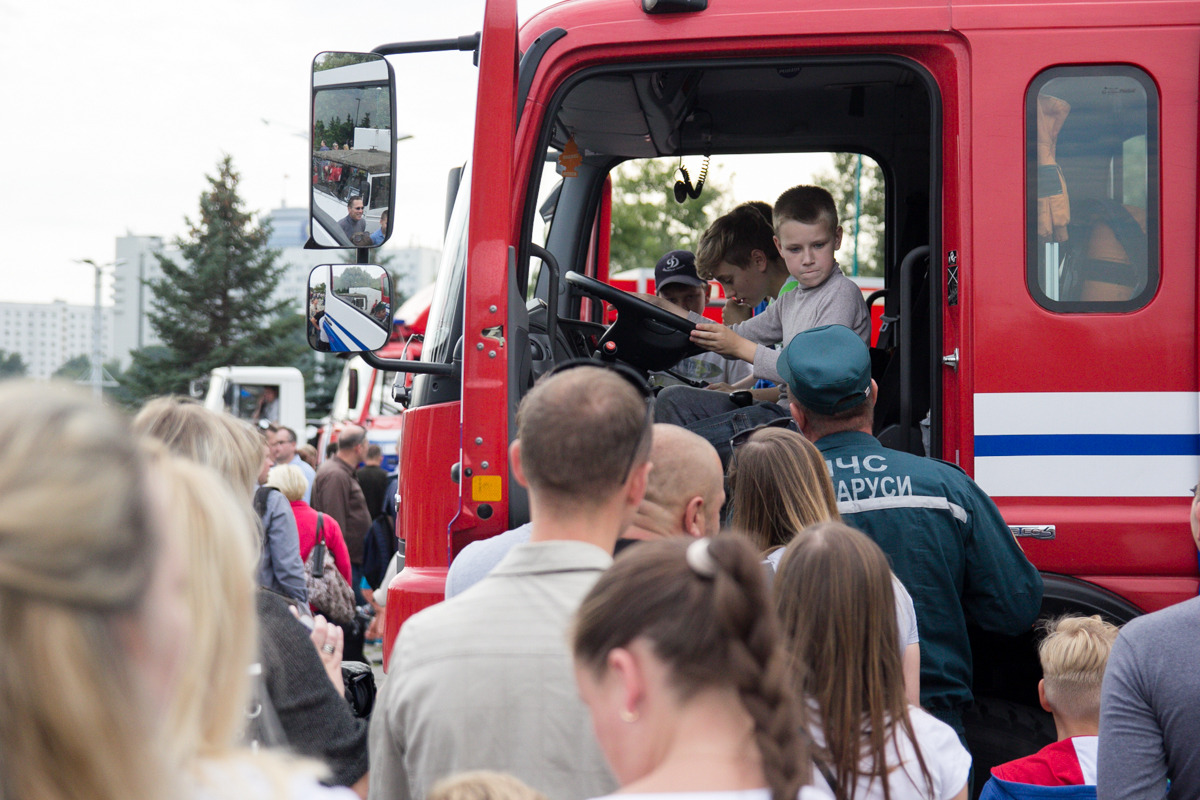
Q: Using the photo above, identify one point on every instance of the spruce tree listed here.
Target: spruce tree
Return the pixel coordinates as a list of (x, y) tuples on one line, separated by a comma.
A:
[(214, 306)]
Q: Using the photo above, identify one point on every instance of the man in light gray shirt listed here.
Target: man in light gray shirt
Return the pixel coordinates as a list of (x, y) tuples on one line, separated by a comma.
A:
[(1150, 704), (485, 680)]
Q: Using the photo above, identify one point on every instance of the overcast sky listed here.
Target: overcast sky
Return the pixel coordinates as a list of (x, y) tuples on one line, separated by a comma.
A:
[(115, 112)]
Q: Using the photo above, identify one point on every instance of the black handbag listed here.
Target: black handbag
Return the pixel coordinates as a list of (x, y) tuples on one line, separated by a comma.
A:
[(359, 683)]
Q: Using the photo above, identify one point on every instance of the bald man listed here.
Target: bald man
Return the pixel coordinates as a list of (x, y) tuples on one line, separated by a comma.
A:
[(686, 488), (684, 495)]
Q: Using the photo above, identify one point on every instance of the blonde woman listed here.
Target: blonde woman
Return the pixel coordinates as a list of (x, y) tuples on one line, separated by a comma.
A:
[(303, 682), (290, 481), (238, 452), (209, 713), (206, 437), (91, 602)]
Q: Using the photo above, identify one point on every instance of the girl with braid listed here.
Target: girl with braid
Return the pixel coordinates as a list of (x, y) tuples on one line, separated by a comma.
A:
[(834, 593), (677, 656)]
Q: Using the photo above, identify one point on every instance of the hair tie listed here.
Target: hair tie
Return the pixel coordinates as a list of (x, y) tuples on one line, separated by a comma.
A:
[(700, 559)]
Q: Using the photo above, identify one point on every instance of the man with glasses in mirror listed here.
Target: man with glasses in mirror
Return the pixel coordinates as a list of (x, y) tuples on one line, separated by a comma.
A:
[(353, 222)]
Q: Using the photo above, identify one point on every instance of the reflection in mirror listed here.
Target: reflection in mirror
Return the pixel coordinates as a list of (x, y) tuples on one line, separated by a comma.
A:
[(349, 308), (352, 139)]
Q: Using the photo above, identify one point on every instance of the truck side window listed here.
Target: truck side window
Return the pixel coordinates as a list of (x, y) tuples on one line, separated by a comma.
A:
[(1092, 189)]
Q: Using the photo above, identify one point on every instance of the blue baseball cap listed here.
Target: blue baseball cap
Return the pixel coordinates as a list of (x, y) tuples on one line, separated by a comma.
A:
[(827, 369), (677, 266)]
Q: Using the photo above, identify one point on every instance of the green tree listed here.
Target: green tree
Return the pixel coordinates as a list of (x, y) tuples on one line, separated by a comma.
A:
[(842, 184), (646, 220), (11, 365), (214, 308), (330, 60)]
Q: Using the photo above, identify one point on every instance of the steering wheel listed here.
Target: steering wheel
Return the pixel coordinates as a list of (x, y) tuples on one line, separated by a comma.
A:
[(644, 336)]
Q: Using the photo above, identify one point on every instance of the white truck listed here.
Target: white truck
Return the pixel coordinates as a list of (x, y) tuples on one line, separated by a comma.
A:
[(246, 392)]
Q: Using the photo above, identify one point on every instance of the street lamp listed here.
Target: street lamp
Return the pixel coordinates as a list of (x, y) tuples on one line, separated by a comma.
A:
[(97, 377)]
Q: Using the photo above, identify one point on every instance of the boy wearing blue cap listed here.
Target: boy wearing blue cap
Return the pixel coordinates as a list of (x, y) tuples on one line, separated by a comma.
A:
[(945, 537), (676, 281)]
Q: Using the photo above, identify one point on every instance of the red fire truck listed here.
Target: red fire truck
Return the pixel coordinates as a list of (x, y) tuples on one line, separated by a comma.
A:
[(1040, 240)]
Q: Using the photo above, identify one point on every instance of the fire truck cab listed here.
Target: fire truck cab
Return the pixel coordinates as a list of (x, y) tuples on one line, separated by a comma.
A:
[(1040, 240)]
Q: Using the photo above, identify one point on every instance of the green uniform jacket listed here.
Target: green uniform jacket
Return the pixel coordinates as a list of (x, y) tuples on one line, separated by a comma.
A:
[(948, 545)]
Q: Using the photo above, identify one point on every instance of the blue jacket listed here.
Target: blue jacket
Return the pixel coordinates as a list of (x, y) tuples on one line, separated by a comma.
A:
[(948, 545), (996, 789)]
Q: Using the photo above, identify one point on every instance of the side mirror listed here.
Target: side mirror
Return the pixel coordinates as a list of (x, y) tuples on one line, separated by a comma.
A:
[(353, 107), (349, 308)]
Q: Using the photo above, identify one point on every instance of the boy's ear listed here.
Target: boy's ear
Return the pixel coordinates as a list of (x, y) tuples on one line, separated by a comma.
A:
[(759, 260), (1045, 704), (837, 237), (778, 246)]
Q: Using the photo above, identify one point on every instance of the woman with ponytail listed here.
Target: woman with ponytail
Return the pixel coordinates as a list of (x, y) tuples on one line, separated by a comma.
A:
[(677, 656), (838, 610), (93, 621)]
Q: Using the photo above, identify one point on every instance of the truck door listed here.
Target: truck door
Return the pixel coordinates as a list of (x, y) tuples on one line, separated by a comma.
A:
[(488, 335), (454, 440), (1084, 305)]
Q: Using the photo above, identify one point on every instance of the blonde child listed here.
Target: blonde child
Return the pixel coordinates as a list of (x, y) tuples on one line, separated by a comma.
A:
[(1073, 655)]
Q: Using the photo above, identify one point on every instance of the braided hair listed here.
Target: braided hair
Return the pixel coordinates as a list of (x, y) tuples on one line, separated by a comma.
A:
[(704, 608)]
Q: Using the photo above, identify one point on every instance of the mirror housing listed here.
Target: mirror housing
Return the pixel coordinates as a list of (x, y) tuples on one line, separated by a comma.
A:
[(349, 308), (353, 113)]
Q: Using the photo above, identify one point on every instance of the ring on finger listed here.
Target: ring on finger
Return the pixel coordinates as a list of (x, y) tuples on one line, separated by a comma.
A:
[(327, 648)]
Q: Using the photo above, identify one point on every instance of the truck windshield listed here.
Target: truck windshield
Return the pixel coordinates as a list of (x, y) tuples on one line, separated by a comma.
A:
[(445, 313)]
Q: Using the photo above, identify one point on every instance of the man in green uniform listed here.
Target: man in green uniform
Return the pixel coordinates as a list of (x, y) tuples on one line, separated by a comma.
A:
[(945, 538)]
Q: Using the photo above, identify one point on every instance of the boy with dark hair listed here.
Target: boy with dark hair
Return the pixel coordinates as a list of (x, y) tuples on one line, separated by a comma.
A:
[(738, 251), (806, 235)]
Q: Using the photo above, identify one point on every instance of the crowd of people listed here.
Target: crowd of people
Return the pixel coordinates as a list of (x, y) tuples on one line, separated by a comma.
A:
[(783, 617)]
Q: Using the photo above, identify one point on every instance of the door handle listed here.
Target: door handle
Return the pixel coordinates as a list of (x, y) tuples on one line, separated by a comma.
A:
[(1032, 531)]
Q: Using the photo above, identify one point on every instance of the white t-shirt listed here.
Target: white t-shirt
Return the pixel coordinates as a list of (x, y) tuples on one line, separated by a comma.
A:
[(806, 793), (906, 615), (947, 760)]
